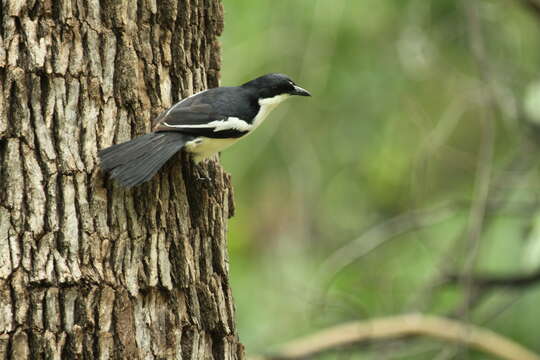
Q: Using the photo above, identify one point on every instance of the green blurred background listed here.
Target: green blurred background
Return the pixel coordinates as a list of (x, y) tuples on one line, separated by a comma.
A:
[(415, 158)]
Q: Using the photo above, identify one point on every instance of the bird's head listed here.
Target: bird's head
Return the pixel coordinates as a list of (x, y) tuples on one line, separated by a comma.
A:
[(276, 87)]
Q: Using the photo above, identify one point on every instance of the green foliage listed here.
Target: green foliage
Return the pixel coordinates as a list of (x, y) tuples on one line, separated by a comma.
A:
[(396, 123)]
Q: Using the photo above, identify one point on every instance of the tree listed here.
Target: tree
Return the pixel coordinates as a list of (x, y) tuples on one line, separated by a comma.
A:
[(89, 270)]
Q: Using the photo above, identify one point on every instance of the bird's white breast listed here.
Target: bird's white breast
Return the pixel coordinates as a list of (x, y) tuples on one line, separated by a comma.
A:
[(204, 147)]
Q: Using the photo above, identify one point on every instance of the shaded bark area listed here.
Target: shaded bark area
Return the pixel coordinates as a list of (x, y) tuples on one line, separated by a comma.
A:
[(89, 270)]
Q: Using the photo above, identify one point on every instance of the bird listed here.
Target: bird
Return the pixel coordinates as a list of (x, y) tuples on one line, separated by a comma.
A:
[(203, 124)]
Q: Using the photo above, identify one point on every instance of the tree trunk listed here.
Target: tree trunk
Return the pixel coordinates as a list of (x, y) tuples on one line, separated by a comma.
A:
[(89, 270)]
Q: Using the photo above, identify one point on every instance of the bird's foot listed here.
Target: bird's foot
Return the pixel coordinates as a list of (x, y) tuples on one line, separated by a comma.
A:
[(204, 179), (202, 176)]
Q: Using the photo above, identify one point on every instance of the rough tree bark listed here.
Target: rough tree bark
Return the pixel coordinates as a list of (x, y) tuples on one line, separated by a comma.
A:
[(89, 270)]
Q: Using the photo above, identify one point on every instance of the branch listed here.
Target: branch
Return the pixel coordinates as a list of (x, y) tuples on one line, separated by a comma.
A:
[(533, 5), (403, 326), (484, 166), (379, 235), (507, 281)]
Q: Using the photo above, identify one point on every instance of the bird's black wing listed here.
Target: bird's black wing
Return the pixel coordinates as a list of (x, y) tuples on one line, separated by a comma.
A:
[(198, 117)]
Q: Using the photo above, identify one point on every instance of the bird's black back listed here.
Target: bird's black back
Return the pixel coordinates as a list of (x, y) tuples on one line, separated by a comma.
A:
[(223, 102)]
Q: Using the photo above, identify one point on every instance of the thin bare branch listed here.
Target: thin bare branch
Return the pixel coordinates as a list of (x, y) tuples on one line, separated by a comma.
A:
[(380, 234), (533, 5), (505, 281), (487, 139), (404, 326)]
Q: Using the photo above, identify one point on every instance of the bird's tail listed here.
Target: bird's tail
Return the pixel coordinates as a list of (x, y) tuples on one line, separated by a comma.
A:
[(138, 160)]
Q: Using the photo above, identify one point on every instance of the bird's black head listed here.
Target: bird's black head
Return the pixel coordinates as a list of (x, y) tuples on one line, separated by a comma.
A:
[(271, 85)]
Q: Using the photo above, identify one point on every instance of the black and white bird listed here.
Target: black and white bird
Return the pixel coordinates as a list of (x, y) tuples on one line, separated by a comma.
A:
[(203, 124)]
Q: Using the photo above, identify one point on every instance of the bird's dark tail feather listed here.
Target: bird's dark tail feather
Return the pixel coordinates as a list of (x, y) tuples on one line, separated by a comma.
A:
[(138, 160)]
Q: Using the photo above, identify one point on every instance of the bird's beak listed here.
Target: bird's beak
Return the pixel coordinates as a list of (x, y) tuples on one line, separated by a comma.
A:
[(299, 91)]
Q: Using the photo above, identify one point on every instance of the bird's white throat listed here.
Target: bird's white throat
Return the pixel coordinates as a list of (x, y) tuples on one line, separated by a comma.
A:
[(267, 105), (275, 100)]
